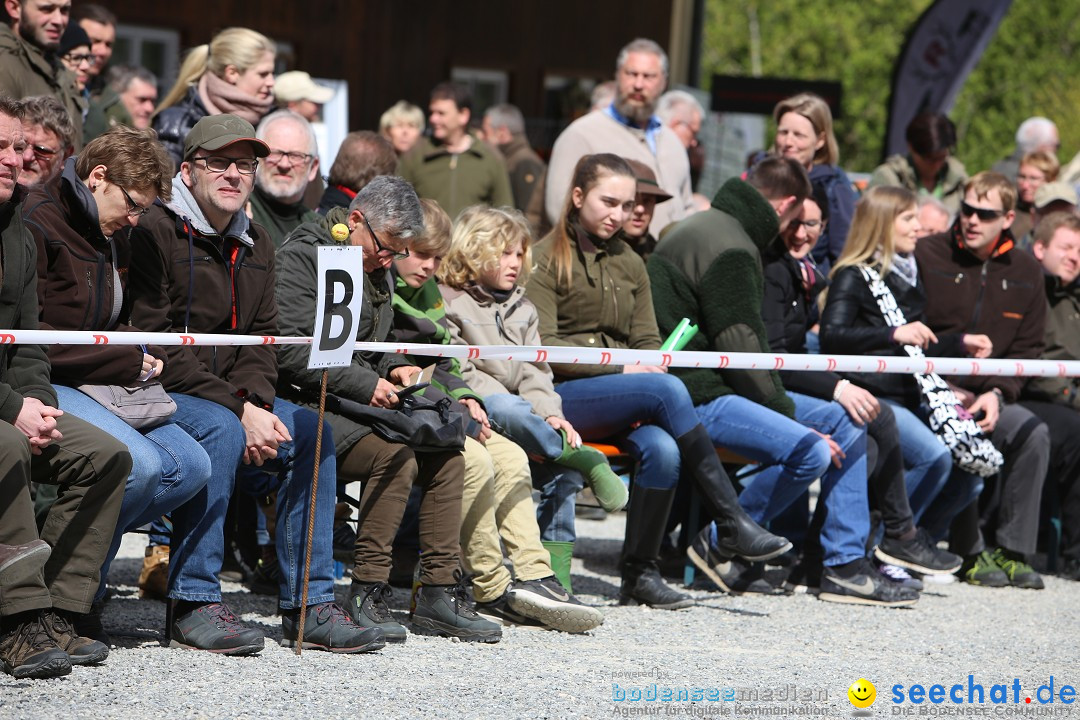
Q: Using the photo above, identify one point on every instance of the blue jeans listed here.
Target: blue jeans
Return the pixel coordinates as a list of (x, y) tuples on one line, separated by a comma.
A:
[(167, 467), (927, 462), (512, 416), (558, 487), (198, 545), (795, 458)]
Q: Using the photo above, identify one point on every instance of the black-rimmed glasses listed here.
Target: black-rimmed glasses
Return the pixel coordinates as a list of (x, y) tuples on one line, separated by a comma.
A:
[(135, 210), (294, 158), (218, 164), (381, 249)]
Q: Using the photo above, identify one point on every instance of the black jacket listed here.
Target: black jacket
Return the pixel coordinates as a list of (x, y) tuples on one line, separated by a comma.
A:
[(786, 311), (852, 324), (174, 122)]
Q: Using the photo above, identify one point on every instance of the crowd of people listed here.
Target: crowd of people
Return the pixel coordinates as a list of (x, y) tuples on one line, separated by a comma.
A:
[(204, 213)]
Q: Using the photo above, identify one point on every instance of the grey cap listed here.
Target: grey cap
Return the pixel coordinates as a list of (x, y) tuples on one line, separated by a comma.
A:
[(1053, 192), (215, 132)]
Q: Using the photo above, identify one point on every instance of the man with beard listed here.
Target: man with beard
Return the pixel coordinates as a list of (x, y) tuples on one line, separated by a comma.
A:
[(28, 61), (630, 128), (283, 177)]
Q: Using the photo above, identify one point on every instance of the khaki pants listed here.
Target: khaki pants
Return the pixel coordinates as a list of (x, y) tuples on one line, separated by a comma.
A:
[(497, 503), (89, 468), (388, 471)]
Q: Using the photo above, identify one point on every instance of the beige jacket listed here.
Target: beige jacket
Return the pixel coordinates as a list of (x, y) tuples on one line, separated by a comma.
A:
[(475, 317)]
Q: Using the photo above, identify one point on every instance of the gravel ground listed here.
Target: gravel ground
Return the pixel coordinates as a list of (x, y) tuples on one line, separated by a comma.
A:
[(753, 645)]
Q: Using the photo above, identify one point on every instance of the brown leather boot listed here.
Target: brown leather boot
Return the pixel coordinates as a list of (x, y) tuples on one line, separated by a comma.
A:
[(154, 577)]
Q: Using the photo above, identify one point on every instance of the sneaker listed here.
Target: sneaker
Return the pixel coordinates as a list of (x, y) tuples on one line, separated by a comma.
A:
[(731, 574), (920, 554), (900, 576), (327, 627), (1070, 570), (367, 608), (983, 570), (266, 578), (89, 624), (28, 651), (549, 602), (214, 628), (499, 611), (864, 586), (1020, 574), (19, 562), (80, 650), (154, 576), (445, 610), (805, 576)]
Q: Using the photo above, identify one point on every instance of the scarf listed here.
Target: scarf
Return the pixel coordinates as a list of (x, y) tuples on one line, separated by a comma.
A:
[(221, 97), (906, 269)]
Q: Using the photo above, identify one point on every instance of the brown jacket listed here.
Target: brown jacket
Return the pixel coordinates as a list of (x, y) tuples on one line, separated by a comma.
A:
[(77, 275), (1002, 297), (187, 278), (26, 71)]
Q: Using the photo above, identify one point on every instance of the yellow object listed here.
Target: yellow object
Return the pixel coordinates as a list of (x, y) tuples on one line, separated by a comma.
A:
[(339, 232), (862, 693)]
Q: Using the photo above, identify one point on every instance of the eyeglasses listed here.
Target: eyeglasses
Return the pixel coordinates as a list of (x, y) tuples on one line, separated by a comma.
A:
[(80, 59), (381, 249), (294, 158), (135, 210), (984, 214), (808, 224), (218, 164)]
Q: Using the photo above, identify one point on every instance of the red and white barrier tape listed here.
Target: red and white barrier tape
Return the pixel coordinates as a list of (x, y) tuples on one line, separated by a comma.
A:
[(582, 355)]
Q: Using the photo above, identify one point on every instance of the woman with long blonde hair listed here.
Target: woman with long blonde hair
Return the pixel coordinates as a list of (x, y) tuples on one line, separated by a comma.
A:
[(233, 73)]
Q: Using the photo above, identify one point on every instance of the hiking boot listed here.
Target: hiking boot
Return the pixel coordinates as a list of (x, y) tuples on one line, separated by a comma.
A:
[(28, 651), (19, 562), (983, 570), (213, 627), (80, 650), (731, 574), (900, 576), (859, 583), (642, 585), (445, 610), (920, 554), (154, 576), (368, 609), (327, 627), (1019, 573), (499, 611), (610, 490), (266, 578), (89, 624), (549, 602)]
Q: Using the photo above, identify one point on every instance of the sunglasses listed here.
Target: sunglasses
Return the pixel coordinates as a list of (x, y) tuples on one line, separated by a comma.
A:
[(984, 214)]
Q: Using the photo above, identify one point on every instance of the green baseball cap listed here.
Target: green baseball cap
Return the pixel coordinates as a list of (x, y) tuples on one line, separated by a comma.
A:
[(215, 132)]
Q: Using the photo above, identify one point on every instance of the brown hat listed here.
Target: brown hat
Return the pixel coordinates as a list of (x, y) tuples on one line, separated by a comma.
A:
[(215, 132), (646, 180)]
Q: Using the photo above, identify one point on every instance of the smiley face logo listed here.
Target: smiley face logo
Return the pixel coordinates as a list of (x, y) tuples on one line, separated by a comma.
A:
[(862, 693)]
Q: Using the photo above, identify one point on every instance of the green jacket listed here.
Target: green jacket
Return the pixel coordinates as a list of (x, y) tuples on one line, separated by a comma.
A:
[(106, 112), (24, 369), (420, 317), (297, 289), (476, 176), (708, 269), (1062, 343), (898, 171), (26, 71), (607, 304)]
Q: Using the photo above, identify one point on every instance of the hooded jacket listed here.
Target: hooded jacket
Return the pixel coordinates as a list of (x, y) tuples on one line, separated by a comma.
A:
[(24, 369), (297, 287), (81, 280), (187, 278), (1062, 343), (476, 317), (708, 269), (26, 71)]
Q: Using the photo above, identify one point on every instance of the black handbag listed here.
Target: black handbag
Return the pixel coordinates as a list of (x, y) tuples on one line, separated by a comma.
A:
[(422, 424)]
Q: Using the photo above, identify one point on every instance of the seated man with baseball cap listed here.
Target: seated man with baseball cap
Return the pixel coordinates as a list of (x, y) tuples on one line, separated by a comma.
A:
[(205, 267)]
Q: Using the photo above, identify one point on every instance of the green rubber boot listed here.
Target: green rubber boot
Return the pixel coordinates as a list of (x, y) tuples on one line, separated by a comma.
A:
[(561, 555), (609, 489)]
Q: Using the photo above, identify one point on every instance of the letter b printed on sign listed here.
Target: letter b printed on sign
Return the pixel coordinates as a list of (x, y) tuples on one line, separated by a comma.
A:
[(338, 303)]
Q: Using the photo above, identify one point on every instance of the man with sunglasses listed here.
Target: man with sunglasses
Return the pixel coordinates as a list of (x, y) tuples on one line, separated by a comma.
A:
[(203, 267), (49, 131), (979, 281)]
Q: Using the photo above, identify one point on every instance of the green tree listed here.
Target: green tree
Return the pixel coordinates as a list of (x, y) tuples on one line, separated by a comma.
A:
[(1031, 67)]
